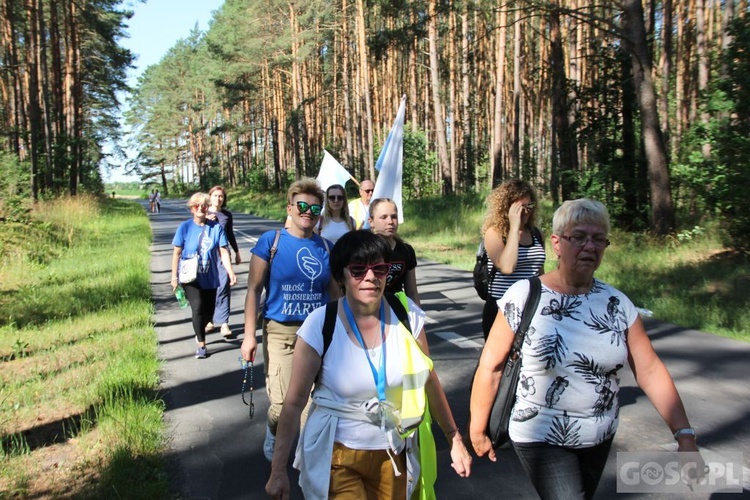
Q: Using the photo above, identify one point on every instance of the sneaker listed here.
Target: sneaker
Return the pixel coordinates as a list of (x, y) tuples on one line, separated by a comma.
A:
[(269, 444), (226, 331), (201, 353), (209, 327)]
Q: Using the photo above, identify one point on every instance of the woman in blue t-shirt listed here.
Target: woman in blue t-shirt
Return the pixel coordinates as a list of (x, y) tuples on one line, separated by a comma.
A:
[(204, 239), (293, 268)]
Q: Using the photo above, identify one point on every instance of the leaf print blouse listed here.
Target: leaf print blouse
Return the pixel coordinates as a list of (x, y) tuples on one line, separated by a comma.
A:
[(575, 346)]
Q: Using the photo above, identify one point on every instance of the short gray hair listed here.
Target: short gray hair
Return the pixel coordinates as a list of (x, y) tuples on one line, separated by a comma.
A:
[(580, 211)]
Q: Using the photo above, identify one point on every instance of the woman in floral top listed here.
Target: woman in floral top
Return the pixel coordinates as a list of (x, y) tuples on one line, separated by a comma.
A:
[(582, 333)]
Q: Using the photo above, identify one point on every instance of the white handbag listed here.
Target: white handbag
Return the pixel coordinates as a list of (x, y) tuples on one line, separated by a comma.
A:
[(188, 271)]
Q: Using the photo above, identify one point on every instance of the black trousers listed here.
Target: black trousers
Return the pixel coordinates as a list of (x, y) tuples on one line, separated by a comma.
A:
[(202, 304)]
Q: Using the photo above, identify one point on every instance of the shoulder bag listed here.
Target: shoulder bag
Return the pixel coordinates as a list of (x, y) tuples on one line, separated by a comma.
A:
[(187, 271), (497, 427)]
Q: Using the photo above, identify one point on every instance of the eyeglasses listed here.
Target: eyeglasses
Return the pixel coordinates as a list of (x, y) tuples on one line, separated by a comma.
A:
[(358, 271), (368, 191), (529, 206), (335, 197), (314, 209), (580, 240), (199, 205)]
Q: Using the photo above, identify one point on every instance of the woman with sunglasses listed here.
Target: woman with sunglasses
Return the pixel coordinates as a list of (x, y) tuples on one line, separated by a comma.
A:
[(350, 446), (297, 280), (581, 334), (402, 277), (205, 239), (514, 245), (336, 220), (217, 212)]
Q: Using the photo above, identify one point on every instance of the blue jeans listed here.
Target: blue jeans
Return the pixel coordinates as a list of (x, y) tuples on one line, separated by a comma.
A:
[(223, 298), (563, 473)]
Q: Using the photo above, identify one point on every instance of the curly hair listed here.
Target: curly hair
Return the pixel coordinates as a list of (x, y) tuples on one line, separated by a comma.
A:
[(306, 185), (499, 201)]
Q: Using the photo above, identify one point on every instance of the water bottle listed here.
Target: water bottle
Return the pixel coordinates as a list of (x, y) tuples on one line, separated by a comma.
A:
[(179, 292)]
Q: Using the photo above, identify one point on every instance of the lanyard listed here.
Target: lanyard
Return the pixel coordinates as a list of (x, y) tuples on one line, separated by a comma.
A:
[(377, 375)]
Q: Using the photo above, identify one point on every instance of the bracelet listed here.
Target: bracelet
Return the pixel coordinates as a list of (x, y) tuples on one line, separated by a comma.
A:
[(688, 431), (174, 279)]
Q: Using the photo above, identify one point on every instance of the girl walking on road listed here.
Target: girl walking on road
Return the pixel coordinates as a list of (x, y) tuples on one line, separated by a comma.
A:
[(402, 276), (514, 245)]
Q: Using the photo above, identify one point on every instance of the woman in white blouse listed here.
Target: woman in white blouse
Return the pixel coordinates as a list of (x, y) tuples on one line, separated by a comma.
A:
[(336, 220), (582, 333)]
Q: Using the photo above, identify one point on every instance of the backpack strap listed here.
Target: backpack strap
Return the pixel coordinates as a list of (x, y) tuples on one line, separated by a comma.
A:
[(329, 324), (537, 234), (272, 254), (399, 308)]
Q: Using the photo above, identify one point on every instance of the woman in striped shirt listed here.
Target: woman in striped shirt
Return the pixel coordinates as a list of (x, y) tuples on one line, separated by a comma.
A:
[(514, 245)]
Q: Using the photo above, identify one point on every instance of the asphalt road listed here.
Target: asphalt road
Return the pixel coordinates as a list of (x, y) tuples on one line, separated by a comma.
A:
[(215, 449)]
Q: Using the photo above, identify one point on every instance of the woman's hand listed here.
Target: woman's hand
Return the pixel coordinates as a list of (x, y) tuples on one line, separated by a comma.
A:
[(514, 216), (232, 278), (174, 284), (237, 259), (483, 446), (211, 216), (460, 457), (277, 486)]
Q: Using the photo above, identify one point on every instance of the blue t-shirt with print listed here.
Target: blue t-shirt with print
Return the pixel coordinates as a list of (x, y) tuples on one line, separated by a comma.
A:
[(188, 236), (300, 272)]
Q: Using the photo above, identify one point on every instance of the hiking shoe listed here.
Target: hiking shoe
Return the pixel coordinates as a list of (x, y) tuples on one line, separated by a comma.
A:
[(268, 444), (209, 327), (201, 353), (226, 331)]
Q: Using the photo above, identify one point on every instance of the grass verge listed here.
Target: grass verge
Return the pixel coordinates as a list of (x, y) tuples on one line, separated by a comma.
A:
[(80, 413), (693, 281)]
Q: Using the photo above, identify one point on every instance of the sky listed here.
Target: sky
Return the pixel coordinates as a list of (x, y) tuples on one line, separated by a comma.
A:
[(154, 28)]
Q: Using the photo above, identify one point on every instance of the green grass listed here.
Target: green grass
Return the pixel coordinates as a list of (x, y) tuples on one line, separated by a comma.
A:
[(692, 281), (78, 361)]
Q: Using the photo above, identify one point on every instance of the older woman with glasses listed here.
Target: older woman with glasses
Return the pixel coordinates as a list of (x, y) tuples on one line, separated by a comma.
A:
[(581, 334), (205, 240), (292, 265), (514, 245), (352, 445), (336, 220)]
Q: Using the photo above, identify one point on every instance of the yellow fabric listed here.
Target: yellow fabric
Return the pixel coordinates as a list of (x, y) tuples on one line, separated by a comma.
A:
[(416, 370)]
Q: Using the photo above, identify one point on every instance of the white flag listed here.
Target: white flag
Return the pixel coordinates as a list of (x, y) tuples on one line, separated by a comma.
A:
[(331, 172), (390, 163)]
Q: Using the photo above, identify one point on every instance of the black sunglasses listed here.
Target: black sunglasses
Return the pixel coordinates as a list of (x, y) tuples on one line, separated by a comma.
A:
[(314, 209), (358, 271), (335, 197), (368, 191)]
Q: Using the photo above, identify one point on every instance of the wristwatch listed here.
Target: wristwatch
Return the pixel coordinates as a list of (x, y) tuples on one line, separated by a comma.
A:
[(688, 431)]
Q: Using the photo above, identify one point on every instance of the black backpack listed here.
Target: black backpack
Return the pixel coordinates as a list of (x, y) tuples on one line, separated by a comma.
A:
[(482, 277)]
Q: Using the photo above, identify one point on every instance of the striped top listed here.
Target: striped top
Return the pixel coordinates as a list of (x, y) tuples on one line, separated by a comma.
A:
[(530, 263)]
